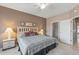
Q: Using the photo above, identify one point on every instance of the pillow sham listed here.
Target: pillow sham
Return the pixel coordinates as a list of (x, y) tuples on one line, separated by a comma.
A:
[(31, 33)]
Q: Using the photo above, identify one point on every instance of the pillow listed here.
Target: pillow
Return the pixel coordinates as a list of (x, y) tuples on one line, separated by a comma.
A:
[(27, 33), (31, 33), (36, 33)]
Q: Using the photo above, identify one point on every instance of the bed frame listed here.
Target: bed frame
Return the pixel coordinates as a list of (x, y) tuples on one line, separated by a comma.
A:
[(44, 51), (21, 29), (34, 29)]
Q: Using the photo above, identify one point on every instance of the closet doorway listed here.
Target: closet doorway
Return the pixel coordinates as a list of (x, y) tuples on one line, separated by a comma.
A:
[(76, 31), (55, 30)]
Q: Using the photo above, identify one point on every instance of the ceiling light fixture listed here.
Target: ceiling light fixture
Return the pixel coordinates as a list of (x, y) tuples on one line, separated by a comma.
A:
[(42, 5)]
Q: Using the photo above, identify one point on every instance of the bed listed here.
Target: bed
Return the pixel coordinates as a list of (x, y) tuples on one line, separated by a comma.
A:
[(34, 45)]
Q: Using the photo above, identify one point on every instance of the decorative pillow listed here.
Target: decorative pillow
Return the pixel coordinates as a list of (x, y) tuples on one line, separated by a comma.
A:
[(31, 33), (27, 33)]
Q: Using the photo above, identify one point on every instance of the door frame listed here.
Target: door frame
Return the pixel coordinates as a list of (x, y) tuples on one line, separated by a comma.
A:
[(75, 43), (74, 32), (57, 35)]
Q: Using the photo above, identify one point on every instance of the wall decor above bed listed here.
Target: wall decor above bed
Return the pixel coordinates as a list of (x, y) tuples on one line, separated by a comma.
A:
[(22, 24), (27, 24)]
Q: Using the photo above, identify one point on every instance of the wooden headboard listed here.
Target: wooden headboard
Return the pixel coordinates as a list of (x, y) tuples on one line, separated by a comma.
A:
[(21, 29)]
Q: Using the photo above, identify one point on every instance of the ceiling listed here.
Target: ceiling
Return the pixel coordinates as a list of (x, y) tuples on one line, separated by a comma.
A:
[(51, 10)]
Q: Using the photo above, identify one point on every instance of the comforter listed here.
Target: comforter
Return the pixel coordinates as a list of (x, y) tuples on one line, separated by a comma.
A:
[(32, 44)]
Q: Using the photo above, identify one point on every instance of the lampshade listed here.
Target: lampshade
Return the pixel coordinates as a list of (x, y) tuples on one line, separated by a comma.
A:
[(9, 30), (41, 32), (8, 34)]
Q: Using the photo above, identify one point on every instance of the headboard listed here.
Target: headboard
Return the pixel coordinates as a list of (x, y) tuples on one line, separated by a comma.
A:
[(22, 29)]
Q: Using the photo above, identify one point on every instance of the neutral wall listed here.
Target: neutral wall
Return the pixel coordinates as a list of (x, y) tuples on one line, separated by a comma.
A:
[(12, 18)]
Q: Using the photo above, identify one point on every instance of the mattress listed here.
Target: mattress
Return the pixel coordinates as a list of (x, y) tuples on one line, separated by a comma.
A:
[(32, 44)]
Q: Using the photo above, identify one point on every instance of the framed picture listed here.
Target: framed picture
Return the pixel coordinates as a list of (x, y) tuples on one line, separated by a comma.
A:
[(28, 24)]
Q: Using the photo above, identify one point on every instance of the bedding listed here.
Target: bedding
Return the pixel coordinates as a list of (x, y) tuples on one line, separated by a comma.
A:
[(32, 44)]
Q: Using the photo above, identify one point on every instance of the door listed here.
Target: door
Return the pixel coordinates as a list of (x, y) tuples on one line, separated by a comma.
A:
[(55, 30), (74, 32), (78, 33)]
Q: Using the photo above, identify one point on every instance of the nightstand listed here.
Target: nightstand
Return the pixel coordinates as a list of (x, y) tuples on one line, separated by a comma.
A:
[(8, 43)]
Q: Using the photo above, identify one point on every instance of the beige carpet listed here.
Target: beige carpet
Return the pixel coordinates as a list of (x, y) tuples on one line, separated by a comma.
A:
[(61, 49), (13, 51)]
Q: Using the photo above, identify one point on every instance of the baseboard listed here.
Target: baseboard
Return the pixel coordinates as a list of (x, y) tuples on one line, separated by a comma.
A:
[(66, 43)]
